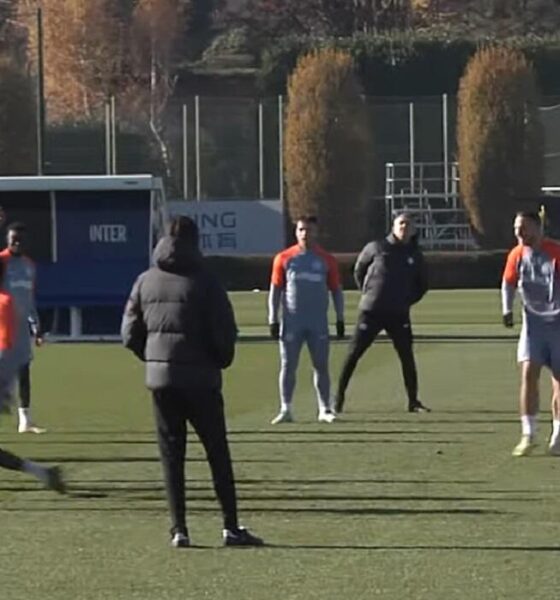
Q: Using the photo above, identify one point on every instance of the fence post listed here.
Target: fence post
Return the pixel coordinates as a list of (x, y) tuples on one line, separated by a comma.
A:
[(185, 154), (108, 145), (197, 144), (113, 136), (40, 94), (281, 146), (411, 143), (261, 149), (445, 146)]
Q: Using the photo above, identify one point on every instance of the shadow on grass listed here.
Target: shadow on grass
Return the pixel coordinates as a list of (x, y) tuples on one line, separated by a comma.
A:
[(385, 548), (423, 338), (244, 485), (292, 481), (140, 495), (380, 511), (355, 419), (324, 439), (336, 430), (137, 459), (356, 440)]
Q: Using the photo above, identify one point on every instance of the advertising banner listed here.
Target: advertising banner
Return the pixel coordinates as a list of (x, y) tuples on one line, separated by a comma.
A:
[(103, 226), (235, 227)]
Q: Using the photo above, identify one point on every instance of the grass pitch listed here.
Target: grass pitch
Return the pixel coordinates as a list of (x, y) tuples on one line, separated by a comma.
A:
[(380, 504)]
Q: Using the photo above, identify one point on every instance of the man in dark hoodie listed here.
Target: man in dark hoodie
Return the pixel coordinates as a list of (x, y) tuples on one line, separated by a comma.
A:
[(392, 277), (180, 322)]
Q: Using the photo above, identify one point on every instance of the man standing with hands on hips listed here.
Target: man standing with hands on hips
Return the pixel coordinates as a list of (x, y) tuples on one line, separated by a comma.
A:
[(391, 275)]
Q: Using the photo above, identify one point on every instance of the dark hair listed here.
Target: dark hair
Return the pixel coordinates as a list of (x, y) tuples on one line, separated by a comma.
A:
[(184, 228), (307, 219), (403, 214), (532, 216), (18, 226)]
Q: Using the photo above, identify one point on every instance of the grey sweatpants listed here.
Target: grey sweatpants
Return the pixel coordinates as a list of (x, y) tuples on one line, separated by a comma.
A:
[(291, 342)]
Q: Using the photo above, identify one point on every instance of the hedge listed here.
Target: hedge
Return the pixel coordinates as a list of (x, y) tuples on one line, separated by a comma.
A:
[(447, 270), (412, 64)]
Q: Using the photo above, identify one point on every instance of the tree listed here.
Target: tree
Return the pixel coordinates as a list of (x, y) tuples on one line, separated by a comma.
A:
[(274, 18), (154, 40), (327, 147), (500, 141), (200, 14), (17, 120), (84, 54)]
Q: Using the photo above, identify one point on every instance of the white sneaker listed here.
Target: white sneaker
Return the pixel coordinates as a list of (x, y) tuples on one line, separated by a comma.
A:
[(284, 416), (180, 540), (554, 447), (30, 428), (326, 416)]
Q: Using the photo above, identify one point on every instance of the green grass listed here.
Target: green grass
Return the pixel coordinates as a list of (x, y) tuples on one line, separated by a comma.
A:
[(381, 504)]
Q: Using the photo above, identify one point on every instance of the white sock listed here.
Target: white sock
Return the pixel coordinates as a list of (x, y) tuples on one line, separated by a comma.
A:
[(35, 469), (528, 425), (23, 414), (555, 431), (285, 407)]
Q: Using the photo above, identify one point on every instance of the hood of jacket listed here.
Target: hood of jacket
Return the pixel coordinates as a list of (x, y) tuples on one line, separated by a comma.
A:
[(176, 255)]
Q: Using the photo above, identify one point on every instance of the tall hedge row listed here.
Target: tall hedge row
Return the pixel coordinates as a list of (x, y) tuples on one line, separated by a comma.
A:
[(499, 140), (328, 148)]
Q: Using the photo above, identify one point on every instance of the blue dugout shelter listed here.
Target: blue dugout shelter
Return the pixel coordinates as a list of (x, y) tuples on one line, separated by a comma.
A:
[(90, 237)]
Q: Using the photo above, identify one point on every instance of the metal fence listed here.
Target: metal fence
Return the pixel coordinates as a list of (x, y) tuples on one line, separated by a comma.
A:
[(232, 147)]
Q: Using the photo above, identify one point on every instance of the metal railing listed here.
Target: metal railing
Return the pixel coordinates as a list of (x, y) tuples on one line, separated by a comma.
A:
[(430, 193)]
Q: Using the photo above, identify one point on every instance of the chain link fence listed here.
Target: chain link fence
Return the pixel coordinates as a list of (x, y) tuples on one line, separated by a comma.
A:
[(231, 148)]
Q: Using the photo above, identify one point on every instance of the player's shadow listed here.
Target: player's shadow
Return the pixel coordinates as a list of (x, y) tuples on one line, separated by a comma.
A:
[(55, 506), (292, 482), (136, 459), (421, 547), (286, 434), (104, 433), (354, 440), (365, 511), (354, 418), (53, 441)]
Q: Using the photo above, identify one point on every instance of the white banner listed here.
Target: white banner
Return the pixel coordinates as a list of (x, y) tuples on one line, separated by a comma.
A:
[(235, 227)]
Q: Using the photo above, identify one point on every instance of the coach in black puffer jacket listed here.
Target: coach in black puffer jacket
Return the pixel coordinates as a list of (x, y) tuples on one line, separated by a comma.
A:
[(180, 322), (179, 319), (391, 275)]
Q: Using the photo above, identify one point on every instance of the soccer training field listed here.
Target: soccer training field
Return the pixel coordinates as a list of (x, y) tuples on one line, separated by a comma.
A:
[(380, 504)]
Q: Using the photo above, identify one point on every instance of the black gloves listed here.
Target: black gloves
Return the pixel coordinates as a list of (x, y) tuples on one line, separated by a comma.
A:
[(275, 331), (508, 320), (340, 330)]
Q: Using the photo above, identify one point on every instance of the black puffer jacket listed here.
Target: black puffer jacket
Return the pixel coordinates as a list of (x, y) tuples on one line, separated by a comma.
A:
[(391, 275), (179, 320)]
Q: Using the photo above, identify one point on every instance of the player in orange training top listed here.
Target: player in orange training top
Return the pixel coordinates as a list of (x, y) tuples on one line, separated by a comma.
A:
[(50, 477)]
